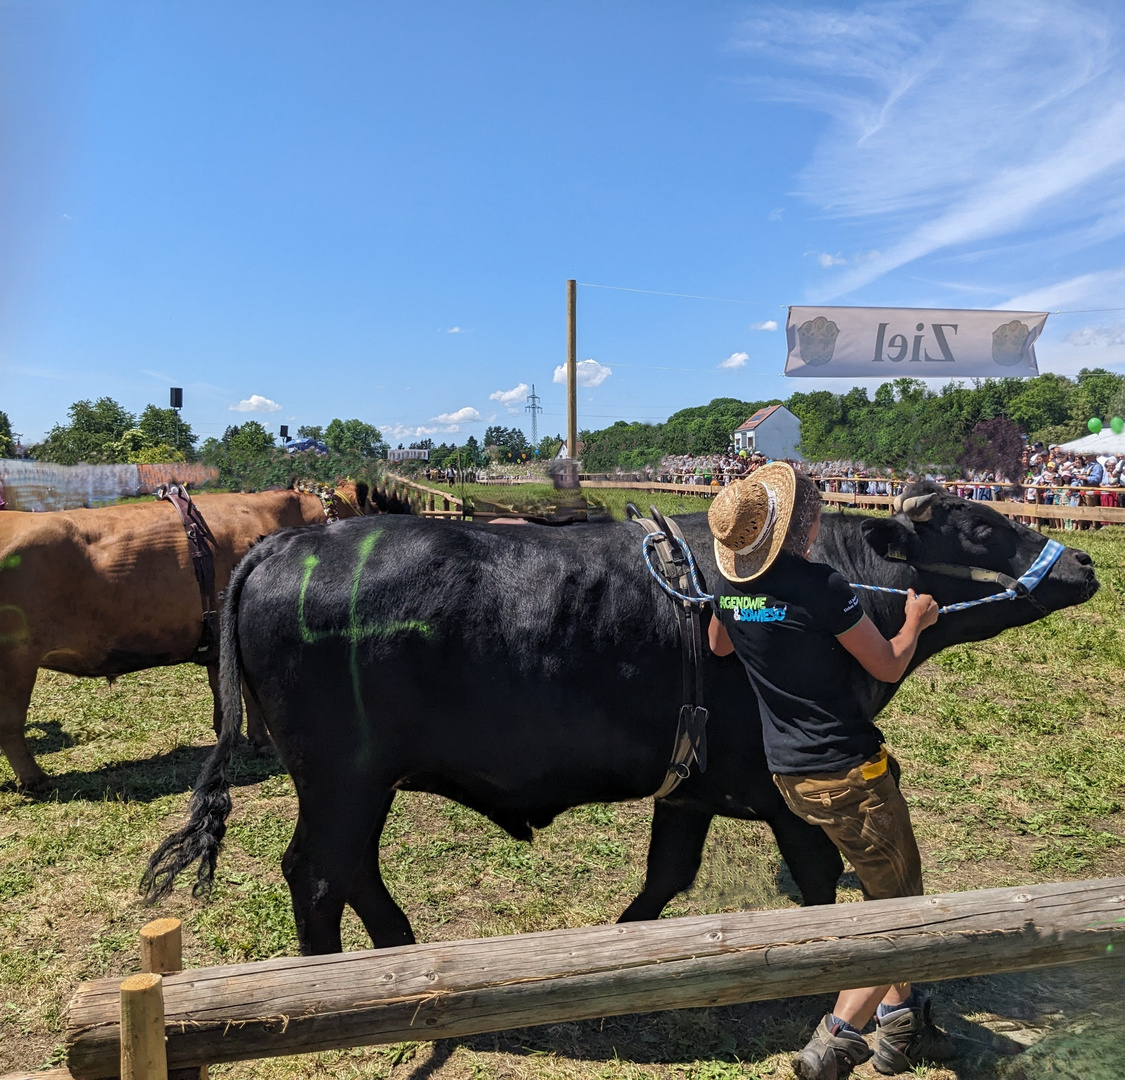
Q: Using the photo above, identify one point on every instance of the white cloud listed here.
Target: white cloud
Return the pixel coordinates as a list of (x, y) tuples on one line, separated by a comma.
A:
[(827, 260), (775, 214), (454, 330), (954, 123), (255, 403), (1100, 337), (588, 373), (769, 324), (510, 397), (735, 360), (462, 416), (1094, 290)]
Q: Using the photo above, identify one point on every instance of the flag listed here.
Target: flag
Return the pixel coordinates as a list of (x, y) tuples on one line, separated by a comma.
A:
[(925, 343)]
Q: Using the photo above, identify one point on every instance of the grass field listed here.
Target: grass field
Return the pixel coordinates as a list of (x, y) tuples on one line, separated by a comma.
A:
[(1013, 762)]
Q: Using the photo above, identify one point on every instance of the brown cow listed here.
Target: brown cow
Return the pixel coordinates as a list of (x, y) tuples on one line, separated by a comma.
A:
[(109, 591)]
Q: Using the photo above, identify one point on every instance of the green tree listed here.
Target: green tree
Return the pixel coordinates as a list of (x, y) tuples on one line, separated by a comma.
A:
[(7, 447), (311, 431), (249, 439), (355, 437), (505, 444), (165, 427), (91, 436)]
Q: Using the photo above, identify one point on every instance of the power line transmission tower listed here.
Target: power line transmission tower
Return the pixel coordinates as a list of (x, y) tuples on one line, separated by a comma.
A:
[(535, 409)]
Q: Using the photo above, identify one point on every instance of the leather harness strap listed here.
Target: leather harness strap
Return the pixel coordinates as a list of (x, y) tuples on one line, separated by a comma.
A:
[(690, 744), (200, 544)]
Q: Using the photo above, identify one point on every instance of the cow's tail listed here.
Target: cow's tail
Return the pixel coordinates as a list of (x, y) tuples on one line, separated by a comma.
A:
[(202, 837)]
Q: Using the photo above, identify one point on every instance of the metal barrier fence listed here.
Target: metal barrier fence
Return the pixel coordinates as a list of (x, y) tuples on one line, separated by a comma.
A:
[(41, 485)]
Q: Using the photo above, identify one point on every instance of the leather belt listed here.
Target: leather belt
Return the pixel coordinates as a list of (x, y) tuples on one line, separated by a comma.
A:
[(200, 544)]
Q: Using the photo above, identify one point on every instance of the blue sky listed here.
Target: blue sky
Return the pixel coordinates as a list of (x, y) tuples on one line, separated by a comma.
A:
[(299, 211)]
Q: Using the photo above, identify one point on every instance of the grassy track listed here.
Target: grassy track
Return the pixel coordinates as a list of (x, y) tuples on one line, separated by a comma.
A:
[(1013, 761)]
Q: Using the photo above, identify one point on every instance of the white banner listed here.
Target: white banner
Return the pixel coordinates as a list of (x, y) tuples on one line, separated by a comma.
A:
[(924, 343)]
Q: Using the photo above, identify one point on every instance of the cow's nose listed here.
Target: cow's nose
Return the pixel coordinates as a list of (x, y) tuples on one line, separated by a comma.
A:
[(1082, 558)]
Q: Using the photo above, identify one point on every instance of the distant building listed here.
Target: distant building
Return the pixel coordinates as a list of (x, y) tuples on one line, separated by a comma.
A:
[(408, 455), (773, 431)]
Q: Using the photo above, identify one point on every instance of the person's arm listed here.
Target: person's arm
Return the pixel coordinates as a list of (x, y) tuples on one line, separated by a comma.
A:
[(718, 638), (886, 660)]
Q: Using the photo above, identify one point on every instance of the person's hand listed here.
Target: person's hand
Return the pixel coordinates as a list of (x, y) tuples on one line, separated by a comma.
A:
[(921, 607)]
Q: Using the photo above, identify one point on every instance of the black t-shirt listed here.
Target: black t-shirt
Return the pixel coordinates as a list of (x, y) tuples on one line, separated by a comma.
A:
[(810, 689)]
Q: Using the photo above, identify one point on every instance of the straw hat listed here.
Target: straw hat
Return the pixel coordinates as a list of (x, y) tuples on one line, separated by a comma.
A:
[(749, 520)]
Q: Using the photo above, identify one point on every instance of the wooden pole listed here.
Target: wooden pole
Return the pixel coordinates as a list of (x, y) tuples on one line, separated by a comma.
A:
[(142, 1055), (452, 989), (162, 947), (572, 369)]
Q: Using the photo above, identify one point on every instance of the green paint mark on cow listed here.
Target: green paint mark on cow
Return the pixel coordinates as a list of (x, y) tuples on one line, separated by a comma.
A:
[(355, 632), (11, 562)]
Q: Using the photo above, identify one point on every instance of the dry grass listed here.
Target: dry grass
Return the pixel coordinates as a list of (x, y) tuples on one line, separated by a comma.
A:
[(1013, 758)]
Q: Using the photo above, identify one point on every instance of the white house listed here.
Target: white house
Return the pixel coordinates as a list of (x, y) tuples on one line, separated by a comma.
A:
[(408, 455), (773, 431)]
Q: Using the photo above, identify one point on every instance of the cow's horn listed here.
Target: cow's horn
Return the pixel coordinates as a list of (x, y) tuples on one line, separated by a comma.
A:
[(898, 503), (918, 508)]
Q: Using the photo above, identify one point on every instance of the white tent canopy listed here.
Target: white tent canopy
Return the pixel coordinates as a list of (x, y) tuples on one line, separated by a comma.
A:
[(1105, 442)]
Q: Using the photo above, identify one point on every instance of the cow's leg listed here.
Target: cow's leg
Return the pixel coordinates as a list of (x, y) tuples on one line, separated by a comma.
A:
[(17, 680), (327, 854), (675, 851), (383, 919), (812, 858), (255, 724)]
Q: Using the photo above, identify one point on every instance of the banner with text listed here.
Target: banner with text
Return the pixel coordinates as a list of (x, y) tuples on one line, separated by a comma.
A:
[(924, 343)]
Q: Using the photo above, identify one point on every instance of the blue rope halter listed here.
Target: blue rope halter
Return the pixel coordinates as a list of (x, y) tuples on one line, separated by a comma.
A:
[(1031, 577), (1027, 581)]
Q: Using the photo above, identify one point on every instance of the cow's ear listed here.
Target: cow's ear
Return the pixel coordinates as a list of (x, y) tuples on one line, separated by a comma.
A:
[(361, 492), (889, 538)]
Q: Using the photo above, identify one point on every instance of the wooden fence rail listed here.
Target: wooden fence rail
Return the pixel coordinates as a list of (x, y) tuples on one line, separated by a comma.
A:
[(307, 1004)]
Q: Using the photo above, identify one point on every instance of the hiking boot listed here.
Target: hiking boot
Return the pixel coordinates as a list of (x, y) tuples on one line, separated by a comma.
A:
[(832, 1053), (908, 1037)]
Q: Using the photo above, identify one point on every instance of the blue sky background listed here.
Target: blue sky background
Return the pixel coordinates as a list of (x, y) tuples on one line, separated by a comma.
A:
[(298, 211)]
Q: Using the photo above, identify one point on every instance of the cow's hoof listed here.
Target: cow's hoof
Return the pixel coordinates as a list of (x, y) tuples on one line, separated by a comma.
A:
[(34, 785)]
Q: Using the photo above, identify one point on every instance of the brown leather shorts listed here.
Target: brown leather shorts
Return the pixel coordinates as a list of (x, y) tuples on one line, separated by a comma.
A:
[(866, 817)]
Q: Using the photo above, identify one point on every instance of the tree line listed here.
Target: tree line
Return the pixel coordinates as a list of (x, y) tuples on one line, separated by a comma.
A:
[(904, 426)]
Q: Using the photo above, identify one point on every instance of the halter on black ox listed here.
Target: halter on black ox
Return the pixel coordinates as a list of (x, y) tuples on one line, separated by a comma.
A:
[(675, 573)]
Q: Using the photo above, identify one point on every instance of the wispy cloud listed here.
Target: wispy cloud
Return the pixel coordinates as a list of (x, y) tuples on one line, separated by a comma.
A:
[(1090, 289), (775, 214), (256, 403), (735, 360), (454, 330), (588, 373), (769, 324), (1100, 337), (953, 122)]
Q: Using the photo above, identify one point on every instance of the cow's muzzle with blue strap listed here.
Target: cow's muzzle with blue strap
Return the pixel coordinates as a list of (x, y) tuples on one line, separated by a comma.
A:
[(1013, 588)]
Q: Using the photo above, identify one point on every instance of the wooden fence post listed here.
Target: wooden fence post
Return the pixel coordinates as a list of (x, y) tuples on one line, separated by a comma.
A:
[(143, 1053), (162, 953), (162, 947)]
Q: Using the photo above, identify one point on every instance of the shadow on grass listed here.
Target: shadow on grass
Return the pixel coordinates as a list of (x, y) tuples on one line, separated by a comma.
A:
[(151, 778), (1064, 1022)]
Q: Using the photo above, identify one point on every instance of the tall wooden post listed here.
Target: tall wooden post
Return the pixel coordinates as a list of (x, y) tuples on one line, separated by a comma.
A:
[(143, 1056), (572, 369)]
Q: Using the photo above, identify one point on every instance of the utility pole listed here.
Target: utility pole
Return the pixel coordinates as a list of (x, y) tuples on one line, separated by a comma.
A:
[(572, 369), (535, 409)]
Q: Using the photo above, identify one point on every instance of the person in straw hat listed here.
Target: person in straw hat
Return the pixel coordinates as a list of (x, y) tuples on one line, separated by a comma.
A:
[(808, 648)]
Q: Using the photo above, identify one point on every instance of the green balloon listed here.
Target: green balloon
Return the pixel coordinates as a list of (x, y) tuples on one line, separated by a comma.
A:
[(1094, 424), (1117, 424)]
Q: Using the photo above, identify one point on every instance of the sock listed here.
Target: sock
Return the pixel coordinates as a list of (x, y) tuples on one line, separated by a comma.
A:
[(835, 1021), (886, 1010)]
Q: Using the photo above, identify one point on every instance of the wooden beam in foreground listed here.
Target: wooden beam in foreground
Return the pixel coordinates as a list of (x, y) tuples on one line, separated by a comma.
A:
[(306, 1004)]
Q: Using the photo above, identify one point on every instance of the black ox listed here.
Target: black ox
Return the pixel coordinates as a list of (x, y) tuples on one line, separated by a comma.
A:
[(524, 671)]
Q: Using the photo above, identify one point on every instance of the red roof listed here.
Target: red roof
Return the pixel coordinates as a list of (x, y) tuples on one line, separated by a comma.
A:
[(757, 418)]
